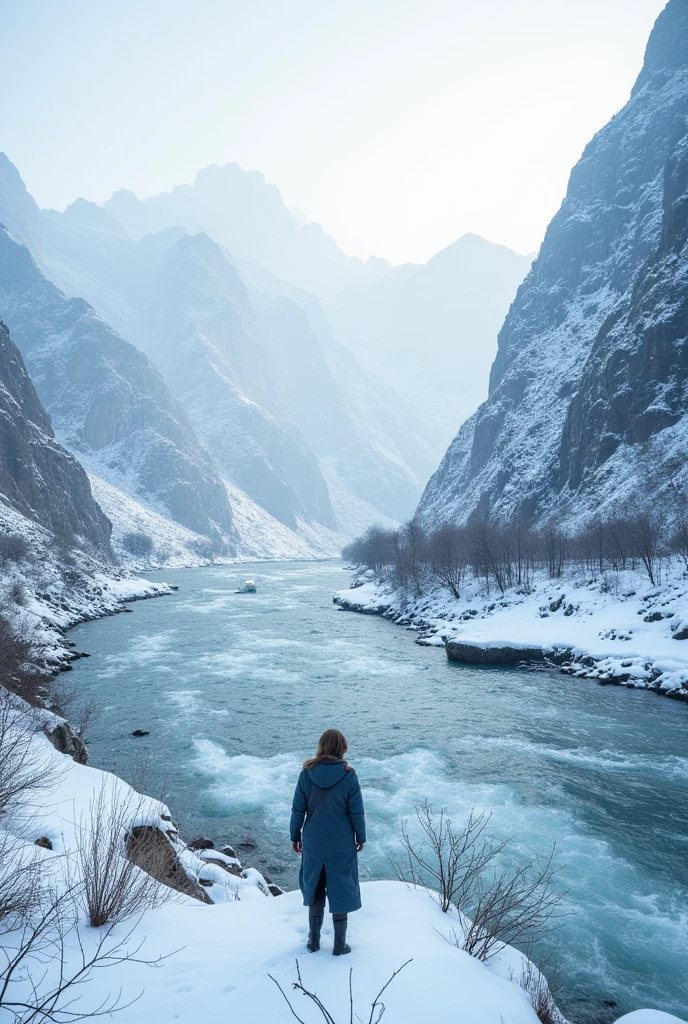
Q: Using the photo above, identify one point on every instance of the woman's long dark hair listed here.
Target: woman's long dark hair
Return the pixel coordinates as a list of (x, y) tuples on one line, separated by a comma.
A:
[(332, 746)]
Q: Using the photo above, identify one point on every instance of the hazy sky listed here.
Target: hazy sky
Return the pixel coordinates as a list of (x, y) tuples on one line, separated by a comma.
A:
[(398, 124)]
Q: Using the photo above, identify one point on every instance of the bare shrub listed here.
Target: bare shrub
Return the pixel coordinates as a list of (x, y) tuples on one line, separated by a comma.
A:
[(22, 770), (511, 906), (21, 657), (13, 549), (541, 982), (114, 888), (20, 881), (138, 544), (447, 859), (377, 1008), (40, 982)]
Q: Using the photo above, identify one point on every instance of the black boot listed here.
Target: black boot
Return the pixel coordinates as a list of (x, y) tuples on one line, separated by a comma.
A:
[(340, 944), (315, 922)]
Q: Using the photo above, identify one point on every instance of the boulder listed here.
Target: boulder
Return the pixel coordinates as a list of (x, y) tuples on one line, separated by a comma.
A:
[(44, 843), (67, 742), (150, 849), (467, 653), (201, 843)]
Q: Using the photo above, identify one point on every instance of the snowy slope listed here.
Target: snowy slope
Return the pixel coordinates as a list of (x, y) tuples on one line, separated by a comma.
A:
[(587, 405)]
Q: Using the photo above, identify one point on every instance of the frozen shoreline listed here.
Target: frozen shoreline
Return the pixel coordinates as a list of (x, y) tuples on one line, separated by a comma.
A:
[(625, 635)]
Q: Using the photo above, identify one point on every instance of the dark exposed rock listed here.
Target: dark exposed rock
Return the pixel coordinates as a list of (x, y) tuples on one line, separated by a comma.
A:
[(248, 843), (38, 477), (141, 732), (201, 843), (150, 849), (275, 890), (228, 851), (44, 842), (67, 742), (467, 653)]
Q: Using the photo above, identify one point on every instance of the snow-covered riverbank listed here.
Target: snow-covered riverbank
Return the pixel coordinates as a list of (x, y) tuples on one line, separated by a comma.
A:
[(618, 630), (218, 958)]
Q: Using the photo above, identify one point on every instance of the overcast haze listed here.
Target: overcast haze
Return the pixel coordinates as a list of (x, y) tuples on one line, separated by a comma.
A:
[(397, 124)]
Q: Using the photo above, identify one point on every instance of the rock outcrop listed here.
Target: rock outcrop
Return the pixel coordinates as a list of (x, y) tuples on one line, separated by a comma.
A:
[(38, 478), (588, 402)]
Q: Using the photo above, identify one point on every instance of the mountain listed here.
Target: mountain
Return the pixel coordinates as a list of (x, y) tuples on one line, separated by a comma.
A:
[(205, 339), (108, 404), (285, 392), (243, 212), (588, 399), (38, 478), (431, 329), (428, 331)]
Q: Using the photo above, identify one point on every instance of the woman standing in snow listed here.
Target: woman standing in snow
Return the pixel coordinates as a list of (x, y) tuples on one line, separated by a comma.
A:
[(328, 797)]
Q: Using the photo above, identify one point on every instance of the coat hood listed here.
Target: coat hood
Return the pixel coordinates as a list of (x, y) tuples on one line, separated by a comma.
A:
[(327, 773)]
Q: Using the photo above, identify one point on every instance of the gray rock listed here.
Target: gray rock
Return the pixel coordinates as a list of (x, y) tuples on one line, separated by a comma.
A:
[(38, 477), (150, 849), (201, 843), (503, 654), (44, 842)]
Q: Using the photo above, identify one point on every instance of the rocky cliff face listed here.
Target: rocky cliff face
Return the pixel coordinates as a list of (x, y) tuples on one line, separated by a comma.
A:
[(588, 399), (38, 478), (107, 403)]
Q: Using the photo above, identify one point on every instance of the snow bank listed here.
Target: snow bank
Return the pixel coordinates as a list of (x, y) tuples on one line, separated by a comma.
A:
[(622, 631)]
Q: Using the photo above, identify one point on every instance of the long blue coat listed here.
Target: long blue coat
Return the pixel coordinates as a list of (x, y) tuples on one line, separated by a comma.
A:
[(329, 798)]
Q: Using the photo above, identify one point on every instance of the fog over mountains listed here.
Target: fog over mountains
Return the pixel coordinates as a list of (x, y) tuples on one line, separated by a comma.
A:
[(297, 370), (588, 404)]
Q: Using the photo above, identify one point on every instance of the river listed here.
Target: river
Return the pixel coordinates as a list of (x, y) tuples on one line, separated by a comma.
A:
[(235, 689)]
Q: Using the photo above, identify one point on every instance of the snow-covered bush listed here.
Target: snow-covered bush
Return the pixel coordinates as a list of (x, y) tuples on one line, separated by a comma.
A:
[(140, 545)]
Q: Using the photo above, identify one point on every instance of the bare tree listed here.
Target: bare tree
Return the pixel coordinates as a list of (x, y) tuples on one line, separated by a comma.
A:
[(645, 535), (377, 1007), (448, 557), (114, 888)]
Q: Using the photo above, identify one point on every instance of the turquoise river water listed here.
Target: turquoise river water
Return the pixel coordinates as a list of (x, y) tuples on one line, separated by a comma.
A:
[(236, 688)]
